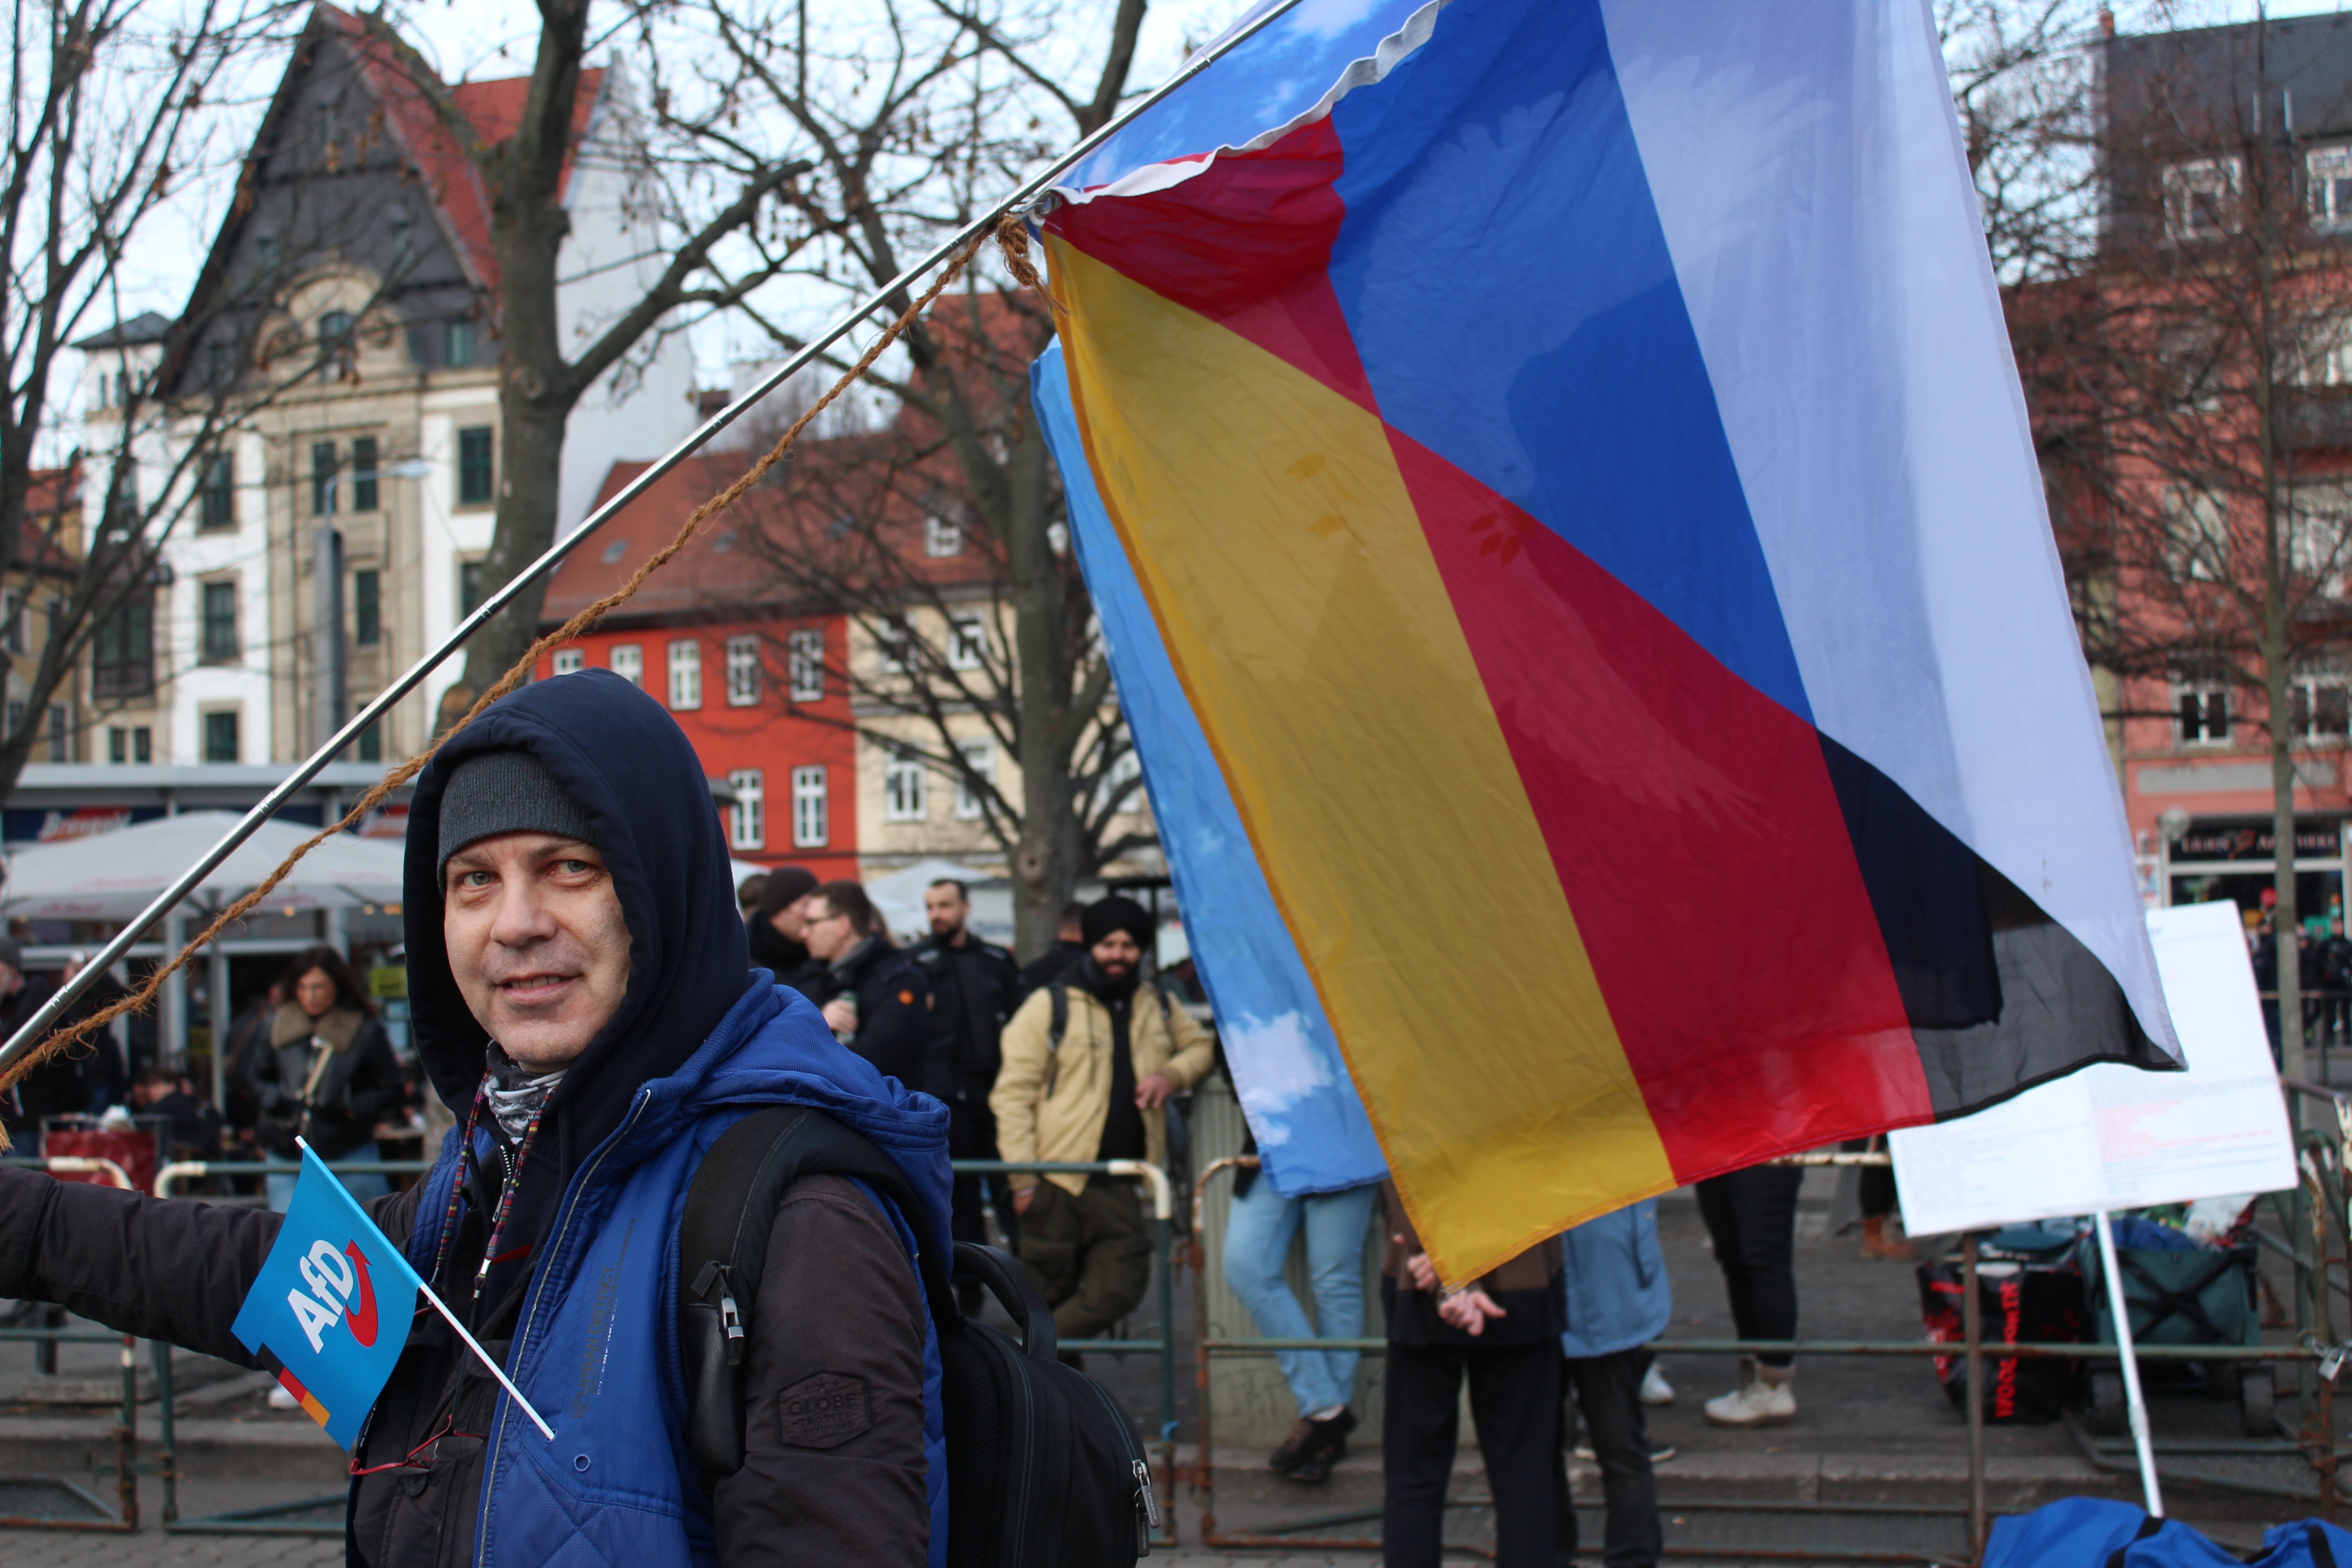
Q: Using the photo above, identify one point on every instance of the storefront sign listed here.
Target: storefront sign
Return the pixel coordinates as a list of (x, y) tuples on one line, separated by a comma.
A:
[(2314, 839)]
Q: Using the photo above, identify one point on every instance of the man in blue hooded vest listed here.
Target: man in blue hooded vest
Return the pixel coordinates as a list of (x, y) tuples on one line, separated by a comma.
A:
[(582, 996)]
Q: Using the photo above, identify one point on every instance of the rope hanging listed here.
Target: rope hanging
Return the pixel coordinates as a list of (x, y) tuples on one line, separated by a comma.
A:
[(1010, 237)]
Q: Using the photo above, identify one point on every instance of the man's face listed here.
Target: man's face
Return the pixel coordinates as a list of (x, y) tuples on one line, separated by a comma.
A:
[(947, 909), (537, 943), (10, 982), (829, 935), (1117, 955), (792, 920)]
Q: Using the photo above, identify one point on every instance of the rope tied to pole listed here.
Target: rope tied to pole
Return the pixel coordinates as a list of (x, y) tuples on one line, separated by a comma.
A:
[(138, 1001)]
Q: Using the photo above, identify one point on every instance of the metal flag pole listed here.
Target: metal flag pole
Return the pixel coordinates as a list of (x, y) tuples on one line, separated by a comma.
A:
[(2132, 1401), (38, 1024)]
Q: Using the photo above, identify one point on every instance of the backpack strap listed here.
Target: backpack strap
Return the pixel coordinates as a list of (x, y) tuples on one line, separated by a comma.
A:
[(2315, 1534), (1057, 998), (722, 1252)]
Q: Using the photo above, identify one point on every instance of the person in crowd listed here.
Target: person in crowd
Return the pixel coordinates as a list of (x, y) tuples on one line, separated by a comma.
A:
[(2266, 979), (1751, 1216), (1259, 1229), (1878, 1206), (1502, 1332), (102, 1058), (196, 1126), (746, 894), (59, 1087), (1070, 947), (329, 1076), (780, 925), (248, 1038), (580, 981), (1095, 1090), (1617, 1298), (974, 986), (875, 997), (2336, 976)]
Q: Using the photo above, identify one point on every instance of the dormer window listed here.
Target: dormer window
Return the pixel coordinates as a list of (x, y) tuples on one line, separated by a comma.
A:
[(2201, 199), (336, 344)]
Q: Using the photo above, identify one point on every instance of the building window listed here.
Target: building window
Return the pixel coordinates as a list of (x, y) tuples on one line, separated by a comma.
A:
[(809, 824), (136, 744), (890, 650), (980, 763), (2201, 199), (363, 490), (805, 666), (2319, 707), (747, 819), (942, 537), (469, 587), (2328, 173), (336, 345), (371, 743), (60, 732), (118, 744), (2197, 529), (367, 608), (457, 343), (2204, 715), (569, 660), (216, 493), (322, 479), (742, 671), (967, 640), (685, 676), (474, 468), (122, 651), (906, 796), (220, 366), (218, 633), (629, 663), (220, 737)]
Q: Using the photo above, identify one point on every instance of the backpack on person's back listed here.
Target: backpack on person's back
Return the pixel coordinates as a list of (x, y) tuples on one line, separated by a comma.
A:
[(1045, 1469)]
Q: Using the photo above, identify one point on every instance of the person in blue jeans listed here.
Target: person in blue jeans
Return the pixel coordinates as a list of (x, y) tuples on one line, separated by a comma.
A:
[(1613, 1280), (1258, 1233)]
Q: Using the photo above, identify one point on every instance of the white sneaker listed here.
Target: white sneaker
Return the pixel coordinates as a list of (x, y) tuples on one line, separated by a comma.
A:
[(1656, 1389), (281, 1400), (1755, 1404)]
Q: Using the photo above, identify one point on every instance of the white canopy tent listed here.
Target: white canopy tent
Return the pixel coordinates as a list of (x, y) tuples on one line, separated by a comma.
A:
[(114, 875)]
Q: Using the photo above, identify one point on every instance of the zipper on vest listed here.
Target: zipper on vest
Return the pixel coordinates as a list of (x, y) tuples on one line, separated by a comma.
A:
[(531, 1320)]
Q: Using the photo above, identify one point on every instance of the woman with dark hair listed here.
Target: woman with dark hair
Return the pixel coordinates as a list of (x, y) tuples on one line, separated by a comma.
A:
[(329, 1076)]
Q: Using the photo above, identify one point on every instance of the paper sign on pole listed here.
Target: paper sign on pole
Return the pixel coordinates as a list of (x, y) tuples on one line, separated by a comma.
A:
[(2113, 1136)]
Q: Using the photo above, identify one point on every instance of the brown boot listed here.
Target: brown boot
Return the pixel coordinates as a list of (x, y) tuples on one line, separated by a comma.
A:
[(1878, 1245)]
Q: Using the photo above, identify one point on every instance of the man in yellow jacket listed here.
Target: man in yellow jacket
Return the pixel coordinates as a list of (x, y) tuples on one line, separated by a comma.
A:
[(1093, 1089)]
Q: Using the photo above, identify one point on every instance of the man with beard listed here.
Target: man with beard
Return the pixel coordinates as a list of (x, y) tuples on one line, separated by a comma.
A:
[(1089, 1063), (779, 924), (974, 987)]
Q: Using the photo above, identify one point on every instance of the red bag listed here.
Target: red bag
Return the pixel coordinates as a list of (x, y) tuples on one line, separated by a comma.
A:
[(130, 1148)]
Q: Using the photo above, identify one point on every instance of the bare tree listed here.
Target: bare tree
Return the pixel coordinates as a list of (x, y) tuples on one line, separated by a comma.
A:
[(913, 126), (115, 107), (705, 185), (2190, 399)]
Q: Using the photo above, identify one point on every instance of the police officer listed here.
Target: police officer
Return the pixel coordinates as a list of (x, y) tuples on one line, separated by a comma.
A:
[(975, 985)]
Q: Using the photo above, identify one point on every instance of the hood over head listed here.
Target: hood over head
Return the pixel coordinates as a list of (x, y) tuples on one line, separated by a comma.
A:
[(620, 758)]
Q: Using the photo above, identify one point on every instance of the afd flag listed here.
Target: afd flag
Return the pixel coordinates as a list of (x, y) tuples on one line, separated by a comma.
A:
[(333, 1305), (1569, 457)]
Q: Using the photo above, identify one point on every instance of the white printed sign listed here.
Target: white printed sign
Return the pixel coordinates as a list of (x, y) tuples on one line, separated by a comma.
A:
[(2113, 1137)]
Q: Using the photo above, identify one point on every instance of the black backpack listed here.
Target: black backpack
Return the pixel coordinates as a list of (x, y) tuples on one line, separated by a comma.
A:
[(1044, 1466)]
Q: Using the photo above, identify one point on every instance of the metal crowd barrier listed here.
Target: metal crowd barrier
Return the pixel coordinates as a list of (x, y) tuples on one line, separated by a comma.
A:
[(290, 1519), (2324, 1194)]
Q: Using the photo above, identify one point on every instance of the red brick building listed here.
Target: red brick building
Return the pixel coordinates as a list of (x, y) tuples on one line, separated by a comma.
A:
[(755, 681)]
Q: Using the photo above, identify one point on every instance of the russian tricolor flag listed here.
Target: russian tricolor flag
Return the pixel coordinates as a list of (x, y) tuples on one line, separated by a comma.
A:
[(1559, 501)]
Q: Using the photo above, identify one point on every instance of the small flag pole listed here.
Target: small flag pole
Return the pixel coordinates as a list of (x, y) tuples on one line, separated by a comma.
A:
[(471, 1343)]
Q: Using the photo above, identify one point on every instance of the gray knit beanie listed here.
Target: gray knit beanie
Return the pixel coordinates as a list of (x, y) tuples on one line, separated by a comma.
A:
[(505, 792)]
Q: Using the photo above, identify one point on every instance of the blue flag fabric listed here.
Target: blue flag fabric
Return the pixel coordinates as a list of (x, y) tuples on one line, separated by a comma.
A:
[(331, 1307)]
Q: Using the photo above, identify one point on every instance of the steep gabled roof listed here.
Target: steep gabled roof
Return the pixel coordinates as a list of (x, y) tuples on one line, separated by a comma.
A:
[(493, 108), (146, 327)]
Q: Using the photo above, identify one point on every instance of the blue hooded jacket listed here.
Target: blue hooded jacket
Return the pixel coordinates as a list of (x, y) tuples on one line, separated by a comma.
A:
[(700, 1041)]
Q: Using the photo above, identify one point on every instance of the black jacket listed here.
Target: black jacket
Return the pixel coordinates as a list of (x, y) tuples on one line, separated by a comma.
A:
[(974, 989), (779, 954), (1049, 965), (358, 1083), (179, 1270), (894, 1007)]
